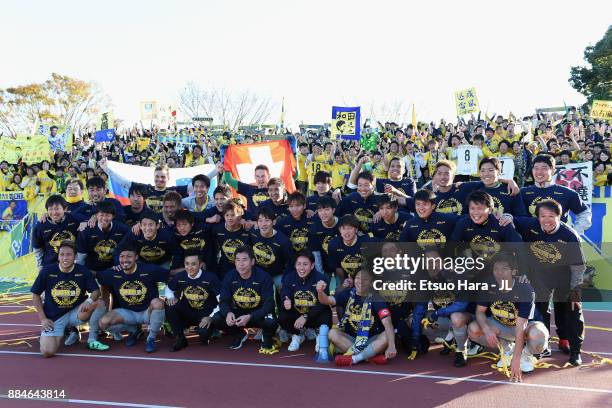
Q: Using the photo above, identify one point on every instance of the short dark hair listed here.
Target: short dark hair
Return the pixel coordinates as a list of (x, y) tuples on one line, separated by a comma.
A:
[(266, 212), (107, 207), (244, 250), (297, 197), (56, 199), (222, 189), (350, 220), (138, 189), (327, 202), (95, 181), (306, 254), (184, 215), (480, 197), (68, 244), (150, 215), (129, 246), (425, 195), (551, 205), (505, 257), (173, 196), (193, 252), (494, 161), (387, 199), (262, 167), (232, 205), (322, 177), (367, 175), (546, 159), (276, 181), (201, 177)]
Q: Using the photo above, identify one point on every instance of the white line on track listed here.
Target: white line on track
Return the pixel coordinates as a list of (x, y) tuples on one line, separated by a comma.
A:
[(90, 402), (325, 369), (20, 324)]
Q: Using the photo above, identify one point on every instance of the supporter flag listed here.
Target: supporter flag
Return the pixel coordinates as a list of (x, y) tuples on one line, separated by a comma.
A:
[(106, 135), (346, 122), (241, 161), (121, 176)]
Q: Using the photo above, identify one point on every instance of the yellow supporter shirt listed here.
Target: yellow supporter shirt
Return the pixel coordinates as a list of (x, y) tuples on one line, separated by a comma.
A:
[(313, 168), (339, 173), (301, 165)]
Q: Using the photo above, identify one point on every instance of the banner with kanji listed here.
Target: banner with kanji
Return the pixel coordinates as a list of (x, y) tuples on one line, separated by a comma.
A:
[(466, 101), (578, 177), (346, 122), (241, 161), (602, 110)]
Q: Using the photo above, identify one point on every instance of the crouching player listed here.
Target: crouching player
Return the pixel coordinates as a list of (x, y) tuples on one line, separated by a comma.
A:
[(503, 319), (365, 330), (191, 297), (64, 284), (301, 308), (246, 301), (133, 286)]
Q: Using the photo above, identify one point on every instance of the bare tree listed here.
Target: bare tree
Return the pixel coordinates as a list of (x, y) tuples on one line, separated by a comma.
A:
[(233, 109)]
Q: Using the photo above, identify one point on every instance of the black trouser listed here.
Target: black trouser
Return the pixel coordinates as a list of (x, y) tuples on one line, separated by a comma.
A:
[(316, 318), (399, 316), (182, 316), (570, 323), (267, 324)]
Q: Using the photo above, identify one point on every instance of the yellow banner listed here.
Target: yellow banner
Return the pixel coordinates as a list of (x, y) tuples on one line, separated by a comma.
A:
[(59, 137), (31, 149), (602, 110), (142, 143), (466, 101)]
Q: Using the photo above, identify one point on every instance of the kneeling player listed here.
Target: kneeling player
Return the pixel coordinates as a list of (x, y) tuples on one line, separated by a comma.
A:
[(135, 297), (301, 308), (196, 296), (365, 330), (504, 319), (64, 285), (246, 300)]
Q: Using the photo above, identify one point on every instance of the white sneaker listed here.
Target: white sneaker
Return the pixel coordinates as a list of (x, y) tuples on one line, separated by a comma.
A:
[(311, 334), (283, 336), (296, 341), (506, 356), (474, 348), (73, 338), (527, 360)]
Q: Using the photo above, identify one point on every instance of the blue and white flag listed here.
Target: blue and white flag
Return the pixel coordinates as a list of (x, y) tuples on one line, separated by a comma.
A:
[(105, 135)]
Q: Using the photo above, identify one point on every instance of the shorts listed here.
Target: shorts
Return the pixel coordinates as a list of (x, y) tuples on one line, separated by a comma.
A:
[(370, 339), (70, 319), (132, 318), (507, 332)]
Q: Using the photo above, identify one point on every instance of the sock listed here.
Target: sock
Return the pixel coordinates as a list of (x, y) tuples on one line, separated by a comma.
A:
[(155, 322), (94, 324), (364, 355), (460, 337)]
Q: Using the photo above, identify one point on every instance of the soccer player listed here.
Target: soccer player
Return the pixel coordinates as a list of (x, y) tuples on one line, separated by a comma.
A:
[(154, 244), (97, 191), (192, 236), (199, 202), (272, 249), (65, 305), (95, 245), (300, 306), (214, 214), (191, 297), (428, 227), (322, 183), (59, 226), (503, 317), (138, 196), (396, 183), (134, 289), (322, 232), (156, 193), (345, 258), (254, 194), (392, 221), (543, 169), (365, 330), (558, 272), (246, 300), (229, 236), (172, 202), (296, 225), (278, 198), (363, 203)]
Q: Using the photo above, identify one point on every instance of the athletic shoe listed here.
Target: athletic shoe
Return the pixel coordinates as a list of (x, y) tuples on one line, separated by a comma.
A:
[(97, 346), (311, 334), (204, 335), (378, 359), (238, 341), (167, 329), (474, 348), (460, 359), (296, 341), (267, 342), (180, 344), (132, 339), (74, 337), (150, 347), (344, 361), (575, 359), (564, 346), (507, 356), (527, 361), (445, 349), (283, 336)]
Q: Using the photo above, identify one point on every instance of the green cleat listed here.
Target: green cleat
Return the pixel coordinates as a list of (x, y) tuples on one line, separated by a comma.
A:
[(97, 346)]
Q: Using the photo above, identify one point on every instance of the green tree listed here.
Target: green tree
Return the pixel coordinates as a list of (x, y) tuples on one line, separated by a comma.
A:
[(595, 80), (59, 100)]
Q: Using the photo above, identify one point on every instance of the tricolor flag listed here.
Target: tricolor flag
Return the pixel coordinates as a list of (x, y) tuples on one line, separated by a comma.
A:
[(121, 176), (241, 161)]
